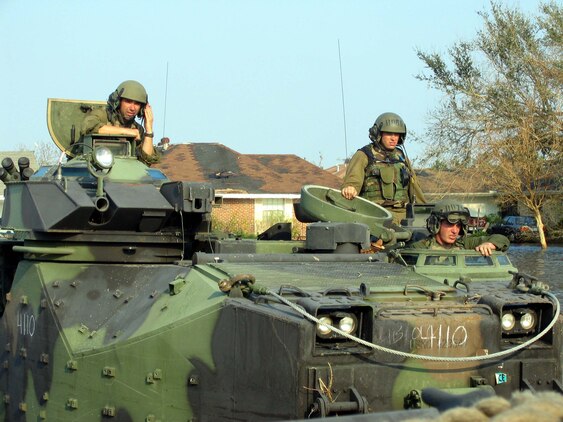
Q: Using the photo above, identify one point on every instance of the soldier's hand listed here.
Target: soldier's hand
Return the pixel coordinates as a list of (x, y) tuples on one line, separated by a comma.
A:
[(149, 117), (486, 248), (349, 192)]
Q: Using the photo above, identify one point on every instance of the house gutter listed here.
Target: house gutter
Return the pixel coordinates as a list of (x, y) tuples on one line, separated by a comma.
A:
[(492, 193), (257, 195)]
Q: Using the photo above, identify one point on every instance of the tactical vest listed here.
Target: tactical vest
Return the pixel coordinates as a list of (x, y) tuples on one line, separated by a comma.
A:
[(386, 178)]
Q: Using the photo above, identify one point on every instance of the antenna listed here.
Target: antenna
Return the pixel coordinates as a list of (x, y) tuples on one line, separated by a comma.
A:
[(343, 107), (165, 101)]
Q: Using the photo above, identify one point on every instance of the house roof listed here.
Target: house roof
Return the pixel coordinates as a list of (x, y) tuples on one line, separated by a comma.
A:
[(230, 171), (447, 181), (338, 170)]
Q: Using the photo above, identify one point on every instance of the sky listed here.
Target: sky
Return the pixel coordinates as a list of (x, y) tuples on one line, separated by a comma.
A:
[(303, 77)]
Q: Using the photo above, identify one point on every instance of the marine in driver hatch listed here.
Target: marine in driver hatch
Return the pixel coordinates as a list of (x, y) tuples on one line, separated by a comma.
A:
[(127, 103), (447, 225), (381, 172)]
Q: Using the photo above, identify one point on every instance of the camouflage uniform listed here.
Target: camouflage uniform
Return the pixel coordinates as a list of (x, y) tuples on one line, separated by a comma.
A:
[(101, 117), (464, 242), (385, 178)]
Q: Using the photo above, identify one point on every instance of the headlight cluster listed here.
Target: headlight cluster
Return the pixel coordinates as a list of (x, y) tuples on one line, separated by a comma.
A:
[(519, 321), (344, 321)]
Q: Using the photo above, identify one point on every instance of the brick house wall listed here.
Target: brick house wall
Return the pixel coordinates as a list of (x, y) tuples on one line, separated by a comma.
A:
[(234, 215), (299, 229)]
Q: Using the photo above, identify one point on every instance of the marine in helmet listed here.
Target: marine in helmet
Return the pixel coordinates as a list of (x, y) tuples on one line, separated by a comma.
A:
[(381, 171), (447, 225), (127, 103)]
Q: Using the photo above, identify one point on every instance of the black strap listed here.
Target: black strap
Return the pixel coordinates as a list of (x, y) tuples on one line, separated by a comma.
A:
[(367, 150)]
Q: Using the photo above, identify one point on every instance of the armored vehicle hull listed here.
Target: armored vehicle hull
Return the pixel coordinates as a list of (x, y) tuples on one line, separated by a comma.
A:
[(163, 341)]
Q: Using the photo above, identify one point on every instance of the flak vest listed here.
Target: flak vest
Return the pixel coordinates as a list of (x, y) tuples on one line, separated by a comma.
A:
[(386, 178)]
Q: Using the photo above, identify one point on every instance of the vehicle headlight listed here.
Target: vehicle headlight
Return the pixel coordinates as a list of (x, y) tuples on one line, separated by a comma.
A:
[(528, 320), (347, 324), (322, 329), (103, 158), (336, 324), (520, 321), (508, 321), (344, 321)]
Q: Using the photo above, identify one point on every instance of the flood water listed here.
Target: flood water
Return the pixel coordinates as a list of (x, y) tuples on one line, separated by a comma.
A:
[(546, 265)]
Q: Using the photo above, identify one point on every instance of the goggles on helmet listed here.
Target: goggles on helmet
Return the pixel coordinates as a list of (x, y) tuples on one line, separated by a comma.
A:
[(457, 217)]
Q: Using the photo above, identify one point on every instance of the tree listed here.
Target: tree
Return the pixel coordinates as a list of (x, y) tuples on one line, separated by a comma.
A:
[(501, 114), (46, 153)]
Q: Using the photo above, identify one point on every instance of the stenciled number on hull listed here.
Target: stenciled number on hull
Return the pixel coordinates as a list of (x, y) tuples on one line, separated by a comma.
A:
[(26, 324), (429, 336)]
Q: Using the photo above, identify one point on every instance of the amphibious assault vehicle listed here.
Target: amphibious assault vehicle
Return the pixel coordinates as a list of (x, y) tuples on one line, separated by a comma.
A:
[(121, 303)]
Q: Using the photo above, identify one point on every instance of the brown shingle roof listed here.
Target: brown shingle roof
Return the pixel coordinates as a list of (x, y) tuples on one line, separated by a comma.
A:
[(227, 169), (446, 181), (338, 170)]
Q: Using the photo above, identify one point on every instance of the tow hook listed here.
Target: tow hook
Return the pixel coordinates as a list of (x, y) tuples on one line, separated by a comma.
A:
[(323, 407), (238, 285), (413, 400), (433, 295)]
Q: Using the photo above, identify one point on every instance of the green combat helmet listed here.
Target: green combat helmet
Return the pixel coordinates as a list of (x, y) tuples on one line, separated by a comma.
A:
[(448, 210), (388, 122), (132, 90)]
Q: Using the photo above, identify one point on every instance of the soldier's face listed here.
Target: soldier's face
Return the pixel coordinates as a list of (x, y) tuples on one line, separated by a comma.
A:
[(390, 140), (129, 108), (448, 233)]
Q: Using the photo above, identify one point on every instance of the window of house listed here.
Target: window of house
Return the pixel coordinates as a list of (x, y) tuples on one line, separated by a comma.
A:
[(273, 210), (270, 211)]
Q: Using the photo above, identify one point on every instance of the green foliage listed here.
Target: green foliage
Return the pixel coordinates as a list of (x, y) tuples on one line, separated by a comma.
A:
[(512, 69), (233, 227), (493, 219), (272, 218), (440, 165), (502, 104)]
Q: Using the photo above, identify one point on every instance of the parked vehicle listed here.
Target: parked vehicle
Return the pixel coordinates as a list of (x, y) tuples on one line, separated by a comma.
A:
[(476, 224), (515, 227)]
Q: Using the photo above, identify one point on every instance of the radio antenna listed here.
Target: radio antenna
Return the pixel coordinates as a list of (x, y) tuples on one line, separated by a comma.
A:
[(343, 107), (165, 101)]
